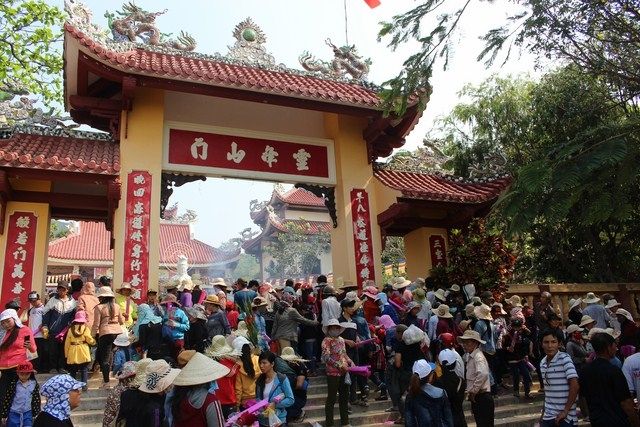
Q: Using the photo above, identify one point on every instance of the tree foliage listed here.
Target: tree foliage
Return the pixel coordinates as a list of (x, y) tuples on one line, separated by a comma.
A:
[(480, 255), (247, 267), (296, 251), (58, 229), (601, 37), (573, 152), (29, 60)]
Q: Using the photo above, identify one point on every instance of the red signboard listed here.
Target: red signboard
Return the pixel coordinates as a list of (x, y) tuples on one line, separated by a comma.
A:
[(365, 268), (17, 278), (438, 251), (231, 155), (137, 224)]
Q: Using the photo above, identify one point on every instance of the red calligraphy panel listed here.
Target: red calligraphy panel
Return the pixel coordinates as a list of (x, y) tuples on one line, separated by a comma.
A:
[(17, 276), (137, 225), (231, 155), (438, 250), (365, 266)]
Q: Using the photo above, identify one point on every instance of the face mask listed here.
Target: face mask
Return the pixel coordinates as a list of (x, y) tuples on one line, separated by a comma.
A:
[(333, 334)]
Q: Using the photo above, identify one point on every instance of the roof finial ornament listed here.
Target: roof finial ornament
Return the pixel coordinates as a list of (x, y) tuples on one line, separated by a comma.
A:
[(135, 24), (346, 61), (249, 45), (22, 111)]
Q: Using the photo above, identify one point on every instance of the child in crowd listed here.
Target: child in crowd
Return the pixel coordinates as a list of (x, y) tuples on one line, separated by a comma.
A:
[(20, 404), (334, 354), (76, 347), (121, 353)]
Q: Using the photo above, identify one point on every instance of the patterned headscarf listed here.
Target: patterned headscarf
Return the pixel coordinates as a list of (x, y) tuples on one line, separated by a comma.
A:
[(56, 390), (382, 298), (145, 316)]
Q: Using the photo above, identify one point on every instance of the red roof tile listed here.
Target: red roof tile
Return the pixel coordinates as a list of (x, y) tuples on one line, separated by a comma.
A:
[(23, 150), (300, 197), (218, 73), (437, 188), (91, 243)]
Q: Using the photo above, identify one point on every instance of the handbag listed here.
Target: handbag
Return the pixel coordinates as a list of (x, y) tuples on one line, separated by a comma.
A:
[(62, 334)]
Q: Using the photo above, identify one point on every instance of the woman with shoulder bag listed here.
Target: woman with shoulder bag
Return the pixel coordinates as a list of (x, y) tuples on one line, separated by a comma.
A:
[(107, 324)]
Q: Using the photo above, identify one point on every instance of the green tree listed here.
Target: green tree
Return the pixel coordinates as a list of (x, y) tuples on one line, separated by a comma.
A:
[(478, 254), (30, 59), (247, 267), (58, 229), (601, 37), (296, 251), (573, 152)]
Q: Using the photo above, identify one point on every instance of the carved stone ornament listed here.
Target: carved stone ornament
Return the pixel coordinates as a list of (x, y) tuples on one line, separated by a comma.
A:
[(493, 165), (136, 24), (171, 180), (255, 206), (22, 111), (249, 45), (346, 62)]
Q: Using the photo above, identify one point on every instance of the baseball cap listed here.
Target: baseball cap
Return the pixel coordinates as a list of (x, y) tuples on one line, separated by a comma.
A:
[(423, 368), (447, 357), (33, 296)]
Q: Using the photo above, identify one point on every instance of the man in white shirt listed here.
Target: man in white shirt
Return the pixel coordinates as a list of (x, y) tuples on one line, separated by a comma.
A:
[(35, 324), (330, 305), (631, 371)]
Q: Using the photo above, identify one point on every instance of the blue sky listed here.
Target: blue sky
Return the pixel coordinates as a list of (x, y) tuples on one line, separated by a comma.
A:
[(291, 27)]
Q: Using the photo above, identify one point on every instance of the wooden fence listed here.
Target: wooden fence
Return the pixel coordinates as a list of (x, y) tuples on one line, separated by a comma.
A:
[(628, 294)]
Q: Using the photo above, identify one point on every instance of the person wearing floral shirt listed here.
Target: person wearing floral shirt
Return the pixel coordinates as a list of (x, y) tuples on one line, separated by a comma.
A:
[(126, 378), (334, 355)]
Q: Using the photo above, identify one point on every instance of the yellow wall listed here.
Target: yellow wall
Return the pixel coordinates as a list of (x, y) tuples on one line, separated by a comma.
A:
[(352, 171), (417, 253), (42, 235), (141, 149)]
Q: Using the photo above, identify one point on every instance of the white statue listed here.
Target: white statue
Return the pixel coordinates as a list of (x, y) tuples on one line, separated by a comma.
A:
[(182, 278)]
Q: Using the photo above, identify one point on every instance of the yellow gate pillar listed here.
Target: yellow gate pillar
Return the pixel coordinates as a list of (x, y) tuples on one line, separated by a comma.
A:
[(352, 171), (417, 251), (141, 148)]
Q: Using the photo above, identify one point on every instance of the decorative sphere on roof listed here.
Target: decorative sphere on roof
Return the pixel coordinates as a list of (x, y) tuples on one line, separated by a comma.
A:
[(249, 34)]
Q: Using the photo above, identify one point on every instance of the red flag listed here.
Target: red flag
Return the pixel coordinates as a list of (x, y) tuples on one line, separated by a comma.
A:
[(372, 3)]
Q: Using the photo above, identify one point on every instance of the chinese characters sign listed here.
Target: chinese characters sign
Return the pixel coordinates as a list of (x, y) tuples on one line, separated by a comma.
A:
[(137, 223), (248, 157), (17, 278), (438, 251), (365, 268)]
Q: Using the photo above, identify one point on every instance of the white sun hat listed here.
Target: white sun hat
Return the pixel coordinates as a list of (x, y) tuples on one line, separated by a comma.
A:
[(200, 370), (159, 376)]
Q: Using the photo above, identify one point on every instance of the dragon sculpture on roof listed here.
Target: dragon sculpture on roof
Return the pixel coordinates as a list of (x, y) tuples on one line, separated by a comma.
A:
[(134, 23), (346, 61)]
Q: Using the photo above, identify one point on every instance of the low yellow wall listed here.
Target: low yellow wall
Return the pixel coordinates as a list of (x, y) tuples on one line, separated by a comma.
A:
[(417, 253)]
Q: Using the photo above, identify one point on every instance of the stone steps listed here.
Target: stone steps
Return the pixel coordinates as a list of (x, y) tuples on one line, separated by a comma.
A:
[(510, 411)]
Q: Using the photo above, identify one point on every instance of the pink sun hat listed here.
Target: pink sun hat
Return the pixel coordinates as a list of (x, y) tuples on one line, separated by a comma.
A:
[(386, 321), (81, 317), (371, 292)]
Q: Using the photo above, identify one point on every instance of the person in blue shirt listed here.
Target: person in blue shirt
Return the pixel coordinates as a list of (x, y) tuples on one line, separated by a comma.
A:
[(426, 405), (20, 404), (243, 297), (273, 387)]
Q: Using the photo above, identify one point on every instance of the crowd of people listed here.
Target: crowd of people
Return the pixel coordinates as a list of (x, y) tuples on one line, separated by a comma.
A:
[(247, 352)]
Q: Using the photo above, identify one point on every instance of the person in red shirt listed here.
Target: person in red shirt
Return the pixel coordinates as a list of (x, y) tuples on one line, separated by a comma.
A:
[(371, 307), (16, 340), (221, 351), (232, 314)]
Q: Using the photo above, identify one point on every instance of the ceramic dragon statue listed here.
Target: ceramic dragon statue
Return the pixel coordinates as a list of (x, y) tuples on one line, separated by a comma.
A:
[(133, 23), (346, 61)]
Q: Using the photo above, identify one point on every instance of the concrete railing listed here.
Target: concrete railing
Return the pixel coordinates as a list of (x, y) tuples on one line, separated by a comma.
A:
[(628, 294)]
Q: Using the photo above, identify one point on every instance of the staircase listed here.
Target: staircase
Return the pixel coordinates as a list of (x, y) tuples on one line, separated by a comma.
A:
[(510, 411)]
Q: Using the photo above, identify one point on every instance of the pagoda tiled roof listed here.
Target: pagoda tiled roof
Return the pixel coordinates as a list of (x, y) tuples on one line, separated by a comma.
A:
[(278, 224), (439, 187), (92, 240), (85, 153), (210, 70), (299, 197)]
